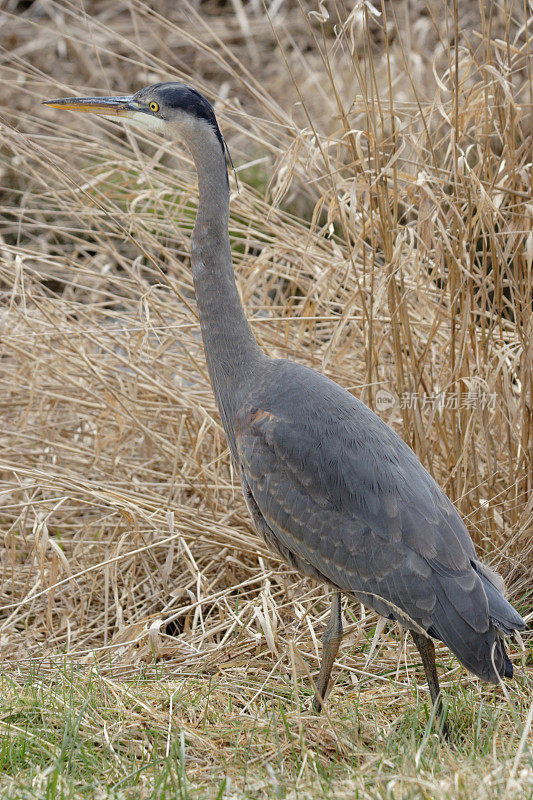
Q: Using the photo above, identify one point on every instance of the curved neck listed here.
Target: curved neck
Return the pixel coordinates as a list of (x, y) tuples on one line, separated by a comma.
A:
[(231, 351)]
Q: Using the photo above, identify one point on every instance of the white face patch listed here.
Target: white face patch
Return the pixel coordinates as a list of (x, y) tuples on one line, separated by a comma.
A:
[(181, 125), (141, 120)]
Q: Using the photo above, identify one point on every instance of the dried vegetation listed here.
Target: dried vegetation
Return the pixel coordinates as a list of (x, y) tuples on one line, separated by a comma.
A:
[(382, 234)]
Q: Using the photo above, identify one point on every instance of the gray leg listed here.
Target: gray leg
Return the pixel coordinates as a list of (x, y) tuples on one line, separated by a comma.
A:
[(331, 640), (427, 654)]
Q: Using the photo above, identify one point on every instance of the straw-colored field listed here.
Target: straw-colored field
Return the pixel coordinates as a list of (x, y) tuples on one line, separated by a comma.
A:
[(151, 646)]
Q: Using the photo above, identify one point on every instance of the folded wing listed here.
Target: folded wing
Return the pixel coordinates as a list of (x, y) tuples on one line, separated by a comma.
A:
[(344, 498)]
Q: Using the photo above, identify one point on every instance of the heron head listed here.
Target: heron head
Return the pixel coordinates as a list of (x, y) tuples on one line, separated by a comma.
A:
[(172, 109)]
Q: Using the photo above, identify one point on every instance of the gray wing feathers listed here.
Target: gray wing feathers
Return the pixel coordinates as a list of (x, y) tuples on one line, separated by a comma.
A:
[(343, 493)]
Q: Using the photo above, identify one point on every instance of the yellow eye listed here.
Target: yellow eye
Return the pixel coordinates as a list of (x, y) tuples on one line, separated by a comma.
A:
[(154, 106)]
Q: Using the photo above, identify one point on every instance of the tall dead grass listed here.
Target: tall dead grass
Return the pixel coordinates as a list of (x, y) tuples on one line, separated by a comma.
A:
[(382, 234)]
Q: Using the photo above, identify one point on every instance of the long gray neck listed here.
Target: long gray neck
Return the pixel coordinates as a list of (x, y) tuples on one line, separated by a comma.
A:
[(231, 351)]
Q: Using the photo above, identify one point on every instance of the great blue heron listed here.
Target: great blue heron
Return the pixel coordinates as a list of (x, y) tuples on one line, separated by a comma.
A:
[(330, 486)]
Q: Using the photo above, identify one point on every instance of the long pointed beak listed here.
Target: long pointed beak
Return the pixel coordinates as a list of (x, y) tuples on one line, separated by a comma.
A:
[(108, 106)]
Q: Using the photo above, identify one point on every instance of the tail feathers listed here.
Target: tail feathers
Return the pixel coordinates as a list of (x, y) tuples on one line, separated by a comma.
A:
[(476, 651), (501, 612), (471, 616)]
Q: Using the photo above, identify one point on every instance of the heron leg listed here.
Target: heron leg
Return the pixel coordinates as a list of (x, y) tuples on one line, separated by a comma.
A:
[(331, 640), (426, 649)]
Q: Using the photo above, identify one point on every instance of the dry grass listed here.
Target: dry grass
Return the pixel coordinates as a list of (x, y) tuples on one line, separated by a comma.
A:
[(383, 235)]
